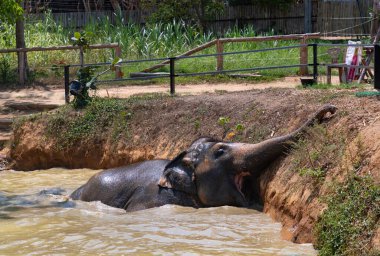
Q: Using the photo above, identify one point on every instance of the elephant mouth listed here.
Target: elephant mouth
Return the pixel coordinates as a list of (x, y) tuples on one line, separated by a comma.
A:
[(239, 182)]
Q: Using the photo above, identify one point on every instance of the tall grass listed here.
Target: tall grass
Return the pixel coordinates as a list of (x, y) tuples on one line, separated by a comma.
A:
[(142, 42)]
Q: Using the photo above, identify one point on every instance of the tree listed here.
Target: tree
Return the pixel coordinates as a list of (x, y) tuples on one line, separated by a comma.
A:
[(196, 11), (11, 11)]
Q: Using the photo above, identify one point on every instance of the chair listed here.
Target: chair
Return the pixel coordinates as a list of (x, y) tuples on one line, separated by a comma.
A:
[(334, 54)]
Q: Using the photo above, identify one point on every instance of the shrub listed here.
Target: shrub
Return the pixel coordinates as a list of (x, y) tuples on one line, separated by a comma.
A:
[(347, 225)]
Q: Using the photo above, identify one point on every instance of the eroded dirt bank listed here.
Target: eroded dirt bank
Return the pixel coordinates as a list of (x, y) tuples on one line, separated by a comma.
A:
[(161, 127)]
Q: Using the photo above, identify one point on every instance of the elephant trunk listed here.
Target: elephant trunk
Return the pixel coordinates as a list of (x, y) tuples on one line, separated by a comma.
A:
[(258, 156)]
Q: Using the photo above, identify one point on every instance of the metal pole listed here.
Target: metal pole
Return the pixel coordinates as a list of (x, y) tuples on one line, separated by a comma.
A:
[(67, 82), (377, 67), (315, 62), (172, 75)]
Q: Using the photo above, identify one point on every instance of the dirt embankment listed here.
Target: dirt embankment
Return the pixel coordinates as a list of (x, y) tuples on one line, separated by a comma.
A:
[(163, 127)]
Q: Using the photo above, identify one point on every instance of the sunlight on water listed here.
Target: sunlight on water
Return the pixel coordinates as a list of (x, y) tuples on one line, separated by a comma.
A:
[(36, 217)]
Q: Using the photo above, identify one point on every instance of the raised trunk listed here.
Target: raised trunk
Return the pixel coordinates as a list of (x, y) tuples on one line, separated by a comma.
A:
[(260, 155)]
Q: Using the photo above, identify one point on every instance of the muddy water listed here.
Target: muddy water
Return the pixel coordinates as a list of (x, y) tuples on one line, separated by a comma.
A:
[(36, 218)]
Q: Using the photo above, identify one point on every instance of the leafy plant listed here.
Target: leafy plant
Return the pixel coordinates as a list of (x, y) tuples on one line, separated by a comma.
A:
[(347, 226), (318, 151), (86, 81), (5, 69), (101, 116), (239, 128), (197, 124), (82, 39), (223, 121)]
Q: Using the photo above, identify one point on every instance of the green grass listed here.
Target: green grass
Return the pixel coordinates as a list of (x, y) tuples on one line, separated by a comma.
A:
[(102, 119), (137, 42), (318, 152), (347, 226), (101, 116)]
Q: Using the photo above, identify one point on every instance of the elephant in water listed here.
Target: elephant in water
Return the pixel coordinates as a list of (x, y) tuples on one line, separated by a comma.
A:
[(209, 173)]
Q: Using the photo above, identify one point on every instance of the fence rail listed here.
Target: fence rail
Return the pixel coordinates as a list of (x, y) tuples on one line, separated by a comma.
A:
[(172, 61), (24, 51), (219, 43)]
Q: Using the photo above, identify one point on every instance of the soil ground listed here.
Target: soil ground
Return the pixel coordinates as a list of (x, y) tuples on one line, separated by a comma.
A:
[(19, 102)]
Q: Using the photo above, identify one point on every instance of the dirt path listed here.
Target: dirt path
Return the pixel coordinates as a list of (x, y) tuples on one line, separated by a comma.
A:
[(56, 96)]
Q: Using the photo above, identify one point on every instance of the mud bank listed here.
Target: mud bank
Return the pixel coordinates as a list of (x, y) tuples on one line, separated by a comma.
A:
[(158, 126)]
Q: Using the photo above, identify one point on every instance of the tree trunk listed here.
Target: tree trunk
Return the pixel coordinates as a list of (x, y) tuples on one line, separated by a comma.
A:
[(87, 6), (20, 43), (199, 8), (116, 5)]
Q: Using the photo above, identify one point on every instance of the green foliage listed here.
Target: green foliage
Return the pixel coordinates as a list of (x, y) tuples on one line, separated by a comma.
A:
[(151, 41), (193, 11), (239, 128), (10, 11), (87, 78), (82, 39), (5, 70), (85, 75), (317, 173), (197, 124), (347, 225), (101, 116), (318, 151), (224, 121)]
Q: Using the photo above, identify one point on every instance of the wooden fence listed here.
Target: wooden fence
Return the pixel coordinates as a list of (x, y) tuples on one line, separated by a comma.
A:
[(24, 51), (219, 43), (330, 17)]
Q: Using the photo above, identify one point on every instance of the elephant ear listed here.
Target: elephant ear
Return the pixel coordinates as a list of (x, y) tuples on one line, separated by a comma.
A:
[(178, 175)]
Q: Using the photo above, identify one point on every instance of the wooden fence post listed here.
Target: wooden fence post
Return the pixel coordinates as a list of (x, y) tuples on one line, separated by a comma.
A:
[(118, 69), (219, 58), (21, 67), (81, 56), (304, 70)]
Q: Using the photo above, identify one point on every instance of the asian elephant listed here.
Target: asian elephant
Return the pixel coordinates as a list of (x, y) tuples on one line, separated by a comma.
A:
[(209, 173)]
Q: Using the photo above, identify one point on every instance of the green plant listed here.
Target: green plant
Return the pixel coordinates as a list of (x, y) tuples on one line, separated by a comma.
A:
[(101, 116), (319, 150), (197, 124), (5, 69), (82, 39), (347, 226), (224, 123), (153, 40), (86, 81), (239, 128), (316, 173)]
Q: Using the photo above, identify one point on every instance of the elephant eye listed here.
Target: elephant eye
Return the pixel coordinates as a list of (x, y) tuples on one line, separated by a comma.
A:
[(219, 152)]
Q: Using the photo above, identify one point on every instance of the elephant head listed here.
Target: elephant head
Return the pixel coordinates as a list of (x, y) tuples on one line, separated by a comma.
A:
[(221, 173)]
